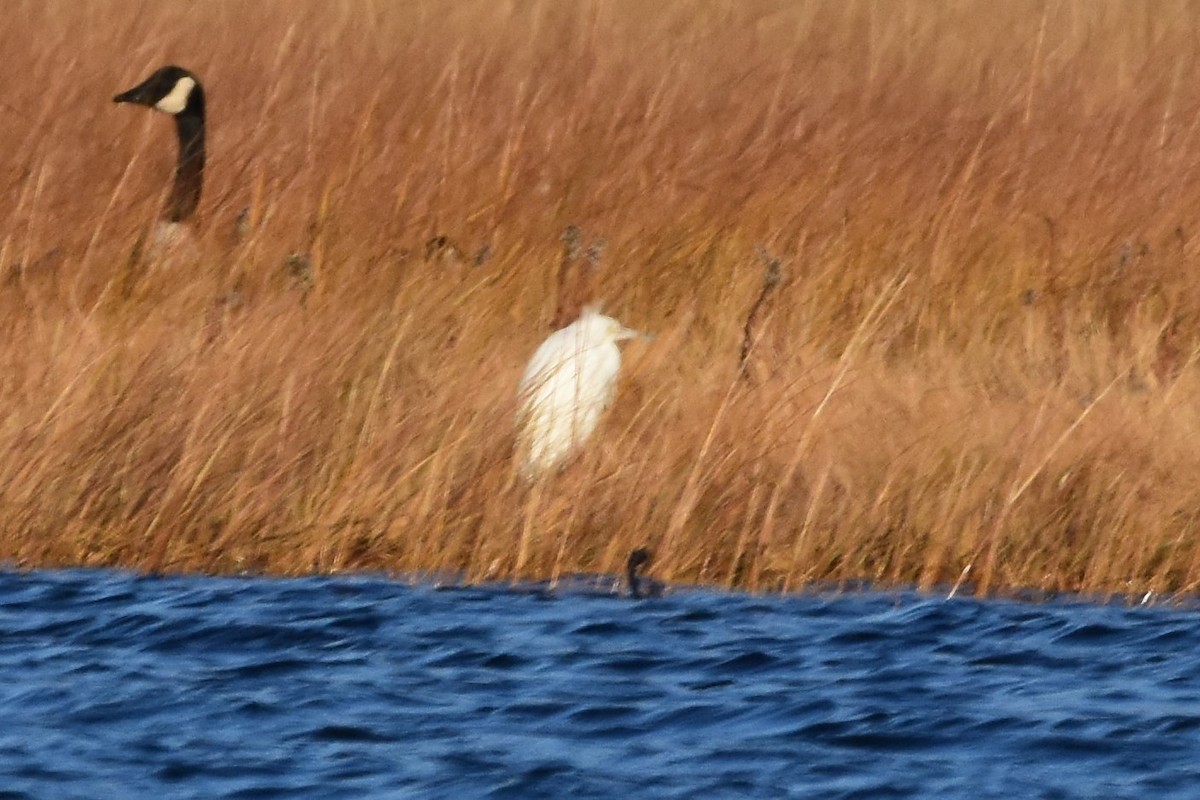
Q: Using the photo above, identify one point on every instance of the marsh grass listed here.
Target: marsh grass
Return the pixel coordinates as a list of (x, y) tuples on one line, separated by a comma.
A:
[(977, 365)]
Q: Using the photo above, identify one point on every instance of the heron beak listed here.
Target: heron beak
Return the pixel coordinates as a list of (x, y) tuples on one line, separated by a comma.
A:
[(630, 333)]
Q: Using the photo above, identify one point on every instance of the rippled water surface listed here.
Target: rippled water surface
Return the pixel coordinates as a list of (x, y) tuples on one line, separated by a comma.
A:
[(119, 686)]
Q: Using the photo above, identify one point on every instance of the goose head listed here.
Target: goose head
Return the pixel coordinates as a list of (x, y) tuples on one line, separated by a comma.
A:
[(170, 89)]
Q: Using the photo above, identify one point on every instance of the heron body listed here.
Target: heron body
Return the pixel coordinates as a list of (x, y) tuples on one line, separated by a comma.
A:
[(569, 382)]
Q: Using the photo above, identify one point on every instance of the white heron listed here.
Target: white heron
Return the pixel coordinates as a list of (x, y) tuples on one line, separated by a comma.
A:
[(569, 382)]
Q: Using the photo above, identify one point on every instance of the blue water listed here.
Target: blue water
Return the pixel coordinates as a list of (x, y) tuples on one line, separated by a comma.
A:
[(119, 686)]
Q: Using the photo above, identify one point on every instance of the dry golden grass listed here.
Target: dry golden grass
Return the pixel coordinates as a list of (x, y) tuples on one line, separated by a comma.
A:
[(979, 365)]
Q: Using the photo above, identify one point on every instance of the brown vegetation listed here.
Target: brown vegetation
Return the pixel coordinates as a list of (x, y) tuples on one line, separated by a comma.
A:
[(978, 363)]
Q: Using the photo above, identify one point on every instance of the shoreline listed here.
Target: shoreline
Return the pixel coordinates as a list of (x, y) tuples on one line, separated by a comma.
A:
[(924, 296), (611, 586)]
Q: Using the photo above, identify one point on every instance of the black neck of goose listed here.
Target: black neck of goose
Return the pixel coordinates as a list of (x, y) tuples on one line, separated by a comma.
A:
[(189, 172)]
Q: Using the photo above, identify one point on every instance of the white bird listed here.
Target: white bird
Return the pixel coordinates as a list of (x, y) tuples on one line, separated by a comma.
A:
[(569, 382)]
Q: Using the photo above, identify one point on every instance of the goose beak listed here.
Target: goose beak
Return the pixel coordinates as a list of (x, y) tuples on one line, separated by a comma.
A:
[(136, 95)]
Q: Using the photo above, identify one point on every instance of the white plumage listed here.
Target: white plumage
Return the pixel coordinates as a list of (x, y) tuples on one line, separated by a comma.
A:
[(569, 382)]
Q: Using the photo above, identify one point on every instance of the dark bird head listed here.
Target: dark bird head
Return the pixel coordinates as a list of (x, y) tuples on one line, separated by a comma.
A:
[(171, 89)]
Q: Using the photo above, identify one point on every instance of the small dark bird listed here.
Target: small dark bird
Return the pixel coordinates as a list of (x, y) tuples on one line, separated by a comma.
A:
[(641, 587)]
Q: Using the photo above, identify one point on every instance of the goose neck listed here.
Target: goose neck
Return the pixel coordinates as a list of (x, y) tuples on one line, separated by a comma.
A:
[(189, 172)]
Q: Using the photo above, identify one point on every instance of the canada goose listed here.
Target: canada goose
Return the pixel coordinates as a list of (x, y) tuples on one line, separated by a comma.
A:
[(174, 90), (568, 383), (640, 587)]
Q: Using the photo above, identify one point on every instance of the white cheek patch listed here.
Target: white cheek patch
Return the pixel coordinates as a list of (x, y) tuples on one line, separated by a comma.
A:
[(176, 101)]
